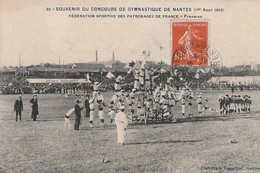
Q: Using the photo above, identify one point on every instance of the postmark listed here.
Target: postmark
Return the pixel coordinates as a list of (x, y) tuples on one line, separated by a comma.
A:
[(190, 43)]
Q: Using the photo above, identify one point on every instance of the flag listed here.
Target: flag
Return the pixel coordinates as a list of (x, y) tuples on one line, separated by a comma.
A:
[(197, 75), (88, 78), (163, 71), (74, 66), (102, 71), (130, 71), (119, 77), (110, 75), (10, 84)]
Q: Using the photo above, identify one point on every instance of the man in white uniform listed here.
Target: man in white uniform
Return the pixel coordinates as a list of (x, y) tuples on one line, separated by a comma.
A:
[(121, 123), (96, 89), (101, 104)]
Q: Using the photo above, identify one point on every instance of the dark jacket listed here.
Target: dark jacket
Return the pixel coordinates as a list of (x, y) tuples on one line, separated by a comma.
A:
[(18, 106), (34, 105), (87, 104), (78, 110)]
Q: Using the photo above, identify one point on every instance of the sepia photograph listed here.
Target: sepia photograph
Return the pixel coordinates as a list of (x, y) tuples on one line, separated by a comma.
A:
[(129, 86)]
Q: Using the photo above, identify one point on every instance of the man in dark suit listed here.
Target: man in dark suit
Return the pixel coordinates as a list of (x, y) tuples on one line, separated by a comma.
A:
[(18, 108), (78, 108), (87, 106), (34, 103)]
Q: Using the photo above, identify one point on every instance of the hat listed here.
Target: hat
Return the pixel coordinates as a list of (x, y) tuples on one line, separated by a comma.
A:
[(19, 96), (95, 83), (34, 95), (78, 101)]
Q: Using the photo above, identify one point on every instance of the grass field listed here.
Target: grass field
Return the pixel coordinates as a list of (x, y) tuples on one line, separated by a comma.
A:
[(198, 144)]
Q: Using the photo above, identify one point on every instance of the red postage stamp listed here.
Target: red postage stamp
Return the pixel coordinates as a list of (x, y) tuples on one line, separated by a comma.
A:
[(190, 43)]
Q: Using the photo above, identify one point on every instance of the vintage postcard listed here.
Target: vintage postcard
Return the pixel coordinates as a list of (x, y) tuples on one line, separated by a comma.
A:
[(129, 86)]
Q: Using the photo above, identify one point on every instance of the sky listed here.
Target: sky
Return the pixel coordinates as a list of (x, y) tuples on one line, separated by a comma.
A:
[(35, 35)]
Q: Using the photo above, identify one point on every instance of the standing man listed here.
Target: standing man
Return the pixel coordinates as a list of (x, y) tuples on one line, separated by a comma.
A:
[(18, 108), (78, 108), (87, 106), (121, 123), (92, 111), (34, 106), (101, 104), (112, 111)]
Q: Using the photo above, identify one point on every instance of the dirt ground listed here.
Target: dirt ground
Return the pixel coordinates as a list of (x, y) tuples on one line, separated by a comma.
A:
[(197, 144)]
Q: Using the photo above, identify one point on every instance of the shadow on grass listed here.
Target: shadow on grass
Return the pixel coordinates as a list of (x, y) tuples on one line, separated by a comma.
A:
[(227, 117), (163, 142)]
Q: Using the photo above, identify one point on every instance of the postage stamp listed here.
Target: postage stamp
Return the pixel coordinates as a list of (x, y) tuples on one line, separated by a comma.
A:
[(190, 43)]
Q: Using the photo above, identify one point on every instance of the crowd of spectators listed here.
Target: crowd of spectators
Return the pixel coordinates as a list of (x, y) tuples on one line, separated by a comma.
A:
[(17, 84)]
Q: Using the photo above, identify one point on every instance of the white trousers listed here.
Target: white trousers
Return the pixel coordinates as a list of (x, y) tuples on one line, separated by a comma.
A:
[(95, 94), (120, 133), (67, 122), (101, 114), (91, 115), (199, 107), (112, 114), (136, 85), (183, 109)]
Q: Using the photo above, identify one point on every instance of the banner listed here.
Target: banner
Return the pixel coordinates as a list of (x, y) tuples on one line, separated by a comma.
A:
[(57, 81)]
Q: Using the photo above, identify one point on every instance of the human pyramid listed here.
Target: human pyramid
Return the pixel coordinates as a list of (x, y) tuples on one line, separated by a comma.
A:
[(147, 101)]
